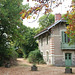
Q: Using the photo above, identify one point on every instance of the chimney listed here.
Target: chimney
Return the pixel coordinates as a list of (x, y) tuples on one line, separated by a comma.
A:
[(27, 0), (57, 17)]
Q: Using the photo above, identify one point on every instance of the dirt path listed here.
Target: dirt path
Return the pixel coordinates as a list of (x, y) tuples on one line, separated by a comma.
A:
[(24, 68), (22, 61)]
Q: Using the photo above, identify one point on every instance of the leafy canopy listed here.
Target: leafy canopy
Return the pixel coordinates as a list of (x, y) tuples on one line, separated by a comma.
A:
[(70, 17), (48, 6), (45, 21), (11, 28)]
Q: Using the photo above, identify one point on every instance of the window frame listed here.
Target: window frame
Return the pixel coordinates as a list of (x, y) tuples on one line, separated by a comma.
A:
[(41, 41), (47, 39), (64, 37)]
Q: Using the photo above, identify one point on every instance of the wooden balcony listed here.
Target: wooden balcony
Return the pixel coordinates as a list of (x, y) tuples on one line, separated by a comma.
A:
[(67, 46)]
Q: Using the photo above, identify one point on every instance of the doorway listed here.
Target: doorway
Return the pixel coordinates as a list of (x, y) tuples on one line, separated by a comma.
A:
[(68, 59)]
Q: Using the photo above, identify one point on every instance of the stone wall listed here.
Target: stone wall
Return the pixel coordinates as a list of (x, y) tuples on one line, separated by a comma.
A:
[(58, 61), (73, 60), (54, 46)]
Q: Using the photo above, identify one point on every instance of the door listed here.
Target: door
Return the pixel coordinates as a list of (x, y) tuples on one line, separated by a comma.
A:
[(68, 59)]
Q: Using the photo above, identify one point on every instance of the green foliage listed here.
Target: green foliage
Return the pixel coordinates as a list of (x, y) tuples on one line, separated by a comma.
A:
[(67, 67), (31, 42), (20, 53), (63, 15), (13, 54), (73, 0), (9, 55), (45, 21), (35, 57), (11, 28)]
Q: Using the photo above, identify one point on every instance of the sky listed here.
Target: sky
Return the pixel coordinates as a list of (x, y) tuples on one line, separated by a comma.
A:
[(61, 9)]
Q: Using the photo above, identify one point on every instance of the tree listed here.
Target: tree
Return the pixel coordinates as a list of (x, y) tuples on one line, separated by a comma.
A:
[(10, 27), (47, 5), (70, 17), (31, 44), (28, 42), (35, 57), (45, 22)]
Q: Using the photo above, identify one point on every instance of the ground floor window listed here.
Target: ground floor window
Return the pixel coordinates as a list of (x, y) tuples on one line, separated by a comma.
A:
[(47, 56)]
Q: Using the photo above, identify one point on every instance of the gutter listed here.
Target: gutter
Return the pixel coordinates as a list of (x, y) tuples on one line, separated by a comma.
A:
[(41, 33)]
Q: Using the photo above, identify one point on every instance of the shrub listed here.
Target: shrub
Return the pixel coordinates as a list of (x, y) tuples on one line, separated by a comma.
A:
[(11, 57), (42, 62), (35, 57), (67, 67), (20, 53)]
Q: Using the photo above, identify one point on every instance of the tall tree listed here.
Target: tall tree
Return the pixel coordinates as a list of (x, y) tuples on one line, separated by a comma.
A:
[(70, 17), (45, 22), (10, 26), (47, 5), (31, 44)]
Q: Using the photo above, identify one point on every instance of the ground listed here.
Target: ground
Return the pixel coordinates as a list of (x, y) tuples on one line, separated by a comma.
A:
[(24, 68)]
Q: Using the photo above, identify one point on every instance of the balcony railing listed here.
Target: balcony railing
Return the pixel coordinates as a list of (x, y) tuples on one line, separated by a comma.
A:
[(67, 46)]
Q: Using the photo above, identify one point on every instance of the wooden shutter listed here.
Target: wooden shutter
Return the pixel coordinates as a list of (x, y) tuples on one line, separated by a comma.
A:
[(63, 37)]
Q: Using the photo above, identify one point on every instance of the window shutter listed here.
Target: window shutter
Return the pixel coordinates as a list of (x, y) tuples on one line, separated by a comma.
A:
[(47, 39), (63, 37), (66, 39)]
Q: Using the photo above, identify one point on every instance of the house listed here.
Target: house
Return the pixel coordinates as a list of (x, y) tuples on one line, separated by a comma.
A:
[(53, 44)]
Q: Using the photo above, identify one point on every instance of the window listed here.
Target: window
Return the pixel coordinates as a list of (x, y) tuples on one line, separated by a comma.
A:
[(47, 39), (42, 53), (65, 38), (41, 41), (47, 56), (67, 55)]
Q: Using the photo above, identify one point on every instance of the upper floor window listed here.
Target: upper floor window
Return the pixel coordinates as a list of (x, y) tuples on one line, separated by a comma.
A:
[(65, 38), (41, 41), (47, 38)]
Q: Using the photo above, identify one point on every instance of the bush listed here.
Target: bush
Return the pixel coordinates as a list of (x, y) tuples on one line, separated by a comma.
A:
[(11, 57), (20, 53), (42, 62), (35, 57), (14, 54)]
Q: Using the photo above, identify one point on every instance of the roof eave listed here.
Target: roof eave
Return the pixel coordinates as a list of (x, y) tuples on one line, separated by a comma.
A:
[(57, 23), (50, 27), (41, 33)]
